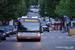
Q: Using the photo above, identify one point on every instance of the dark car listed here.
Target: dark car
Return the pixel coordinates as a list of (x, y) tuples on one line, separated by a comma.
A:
[(10, 29), (45, 28), (14, 30), (0, 37), (6, 29), (48, 24), (3, 34)]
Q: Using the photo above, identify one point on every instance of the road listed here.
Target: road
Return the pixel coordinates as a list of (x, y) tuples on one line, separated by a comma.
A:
[(53, 40)]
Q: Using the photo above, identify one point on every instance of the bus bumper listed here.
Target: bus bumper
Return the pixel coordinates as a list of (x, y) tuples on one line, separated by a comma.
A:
[(28, 37)]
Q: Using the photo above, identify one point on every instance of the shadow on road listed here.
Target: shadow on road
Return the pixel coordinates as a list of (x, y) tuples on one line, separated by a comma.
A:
[(23, 40), (28, 40)]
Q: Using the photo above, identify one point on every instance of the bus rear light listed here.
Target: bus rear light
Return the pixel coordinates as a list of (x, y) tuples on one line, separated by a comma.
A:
[(19, 34), (21, 19)]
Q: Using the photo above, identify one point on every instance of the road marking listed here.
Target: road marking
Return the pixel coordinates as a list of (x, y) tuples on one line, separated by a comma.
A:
[(52, 37), (68, 37), (42, 34), (54, 31), (44, 37), (58, 31), (60, 37)]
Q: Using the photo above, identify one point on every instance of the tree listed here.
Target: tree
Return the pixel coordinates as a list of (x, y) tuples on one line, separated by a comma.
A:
[(34, 2), (50, 6), (66, 8), (41, 8), (13, 9)]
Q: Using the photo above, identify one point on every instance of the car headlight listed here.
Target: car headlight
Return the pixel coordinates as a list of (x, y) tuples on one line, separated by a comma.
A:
[(38, 34), (18, 34)]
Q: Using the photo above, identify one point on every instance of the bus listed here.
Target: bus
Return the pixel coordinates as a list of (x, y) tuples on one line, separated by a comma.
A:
[(29, 28)]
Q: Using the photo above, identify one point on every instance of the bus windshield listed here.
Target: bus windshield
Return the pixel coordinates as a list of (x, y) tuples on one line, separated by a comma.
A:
[(28, 26)]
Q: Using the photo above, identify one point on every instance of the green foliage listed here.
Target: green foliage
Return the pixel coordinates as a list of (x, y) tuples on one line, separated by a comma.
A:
[(34, 2), (48, 6), (66, 7), (41, 8), (13, 9)]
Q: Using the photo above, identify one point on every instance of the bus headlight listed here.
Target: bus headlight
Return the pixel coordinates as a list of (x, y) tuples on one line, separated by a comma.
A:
[(18, 34), (38, 34)]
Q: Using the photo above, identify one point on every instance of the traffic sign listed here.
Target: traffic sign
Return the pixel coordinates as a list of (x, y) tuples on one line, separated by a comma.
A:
[(67, 19), (64, 16)]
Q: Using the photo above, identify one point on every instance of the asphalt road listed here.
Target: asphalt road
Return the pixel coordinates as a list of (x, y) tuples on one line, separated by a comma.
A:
[(53, 40)]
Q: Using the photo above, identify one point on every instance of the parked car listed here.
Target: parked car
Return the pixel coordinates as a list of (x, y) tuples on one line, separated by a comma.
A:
[(45, 28), (10, 29), (3, 34), (0, 37), (6, 29), (14, 30), (47, 20), (48, 24)]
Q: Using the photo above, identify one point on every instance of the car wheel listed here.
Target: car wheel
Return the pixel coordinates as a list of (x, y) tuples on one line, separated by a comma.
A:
[(41, 32), (4, 38), (18, 40), (11, 33), (48, 30), (0, 39), (39, 39), (7, 35)]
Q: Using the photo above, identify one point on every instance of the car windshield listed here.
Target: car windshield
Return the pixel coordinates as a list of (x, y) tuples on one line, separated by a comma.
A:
[(12, 26), (5, 28), (28, 26)]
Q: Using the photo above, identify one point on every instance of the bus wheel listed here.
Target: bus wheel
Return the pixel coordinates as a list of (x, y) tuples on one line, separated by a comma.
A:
[(0, 39), (39, 39), (4, 38), (8, 35), (48, 30), (18, 40)]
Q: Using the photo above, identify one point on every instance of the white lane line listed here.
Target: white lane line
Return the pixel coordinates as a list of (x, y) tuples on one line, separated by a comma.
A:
[(42, 34), (68, 37), (60, 37), (52, 37), (58, 31), (54, 31), (44, 37)]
